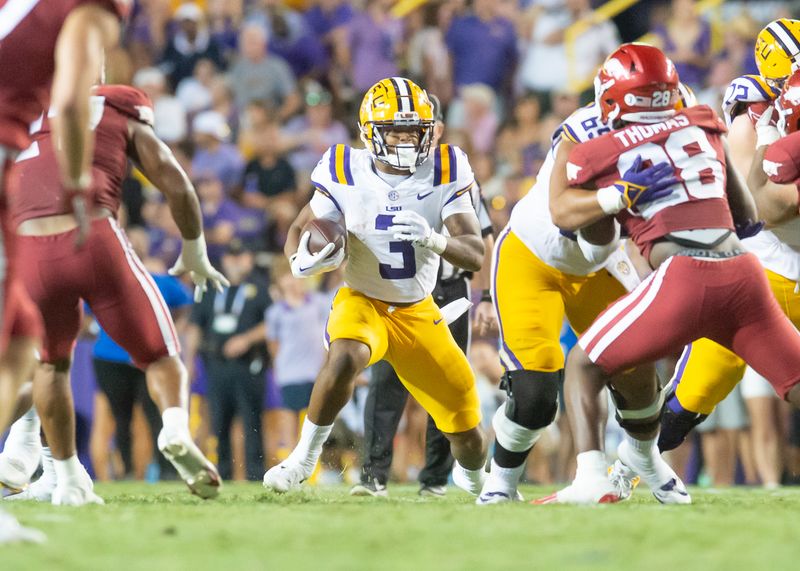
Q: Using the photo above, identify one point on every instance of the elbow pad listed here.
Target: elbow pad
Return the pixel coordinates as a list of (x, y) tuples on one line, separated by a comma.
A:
[(597, 254)]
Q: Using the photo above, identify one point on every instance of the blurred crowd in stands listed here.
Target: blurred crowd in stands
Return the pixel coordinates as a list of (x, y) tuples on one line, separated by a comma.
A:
[(250, 93)]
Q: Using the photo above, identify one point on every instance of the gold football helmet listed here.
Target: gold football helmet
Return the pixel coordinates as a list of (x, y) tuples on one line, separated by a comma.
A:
[(396, 103), (777, 49)]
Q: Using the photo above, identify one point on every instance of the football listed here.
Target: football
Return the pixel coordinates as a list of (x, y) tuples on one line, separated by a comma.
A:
[(324, 231)]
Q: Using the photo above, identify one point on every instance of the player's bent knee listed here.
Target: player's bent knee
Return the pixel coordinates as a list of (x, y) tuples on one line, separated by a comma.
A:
[(472, 440), (346, 359), (640, 420), (532, 397), (512, 436)]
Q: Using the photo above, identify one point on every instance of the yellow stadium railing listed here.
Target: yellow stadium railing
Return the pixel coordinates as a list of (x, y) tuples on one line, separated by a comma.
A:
[(600, 15)]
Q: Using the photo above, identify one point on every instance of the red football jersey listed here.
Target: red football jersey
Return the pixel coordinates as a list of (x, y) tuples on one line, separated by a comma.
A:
[(782, 159), (28, 33), (691, 142), (37, 172)]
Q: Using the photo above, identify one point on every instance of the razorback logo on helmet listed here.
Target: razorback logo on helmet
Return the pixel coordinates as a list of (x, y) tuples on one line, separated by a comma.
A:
[(636, 83)]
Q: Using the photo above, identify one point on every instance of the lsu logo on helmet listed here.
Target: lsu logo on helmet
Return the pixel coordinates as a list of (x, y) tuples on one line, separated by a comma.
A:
[(397, 103), (777, 49)]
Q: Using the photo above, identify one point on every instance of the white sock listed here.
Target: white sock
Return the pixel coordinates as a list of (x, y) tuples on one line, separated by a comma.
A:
[(504, 479), (591, 465), (309, 447), (652, 467), (69, 468), (175, 420), (48, 465), (475, 476), (643, 447), (27, 428)]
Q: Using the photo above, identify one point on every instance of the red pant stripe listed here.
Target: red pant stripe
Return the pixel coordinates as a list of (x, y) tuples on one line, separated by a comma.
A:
[(632, 315)]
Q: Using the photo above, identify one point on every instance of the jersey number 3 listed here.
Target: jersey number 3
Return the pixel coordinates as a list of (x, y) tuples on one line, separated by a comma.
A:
[(409, 267)]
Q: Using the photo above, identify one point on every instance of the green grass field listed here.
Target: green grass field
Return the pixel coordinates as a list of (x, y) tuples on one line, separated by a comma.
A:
[(155, 527)]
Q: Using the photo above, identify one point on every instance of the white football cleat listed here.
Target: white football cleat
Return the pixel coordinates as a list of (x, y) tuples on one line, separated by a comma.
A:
[(286, 476), (488, 497), (471, 481), (662, 480), (200, 475), (39, 491), (623, 478), (18, 462), (12, 532), (77, 490), (584, 492)]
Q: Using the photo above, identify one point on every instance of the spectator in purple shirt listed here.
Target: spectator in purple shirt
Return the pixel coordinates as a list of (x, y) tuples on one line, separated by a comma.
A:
[(308, 136), (483, 47), (686, 39), (291, 38), (213, 155), (375, 39), (224, 219)]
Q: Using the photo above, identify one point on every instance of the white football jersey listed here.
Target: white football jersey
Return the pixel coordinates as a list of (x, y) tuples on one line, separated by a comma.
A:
[(379, 266), (778, 249), (530, 218)]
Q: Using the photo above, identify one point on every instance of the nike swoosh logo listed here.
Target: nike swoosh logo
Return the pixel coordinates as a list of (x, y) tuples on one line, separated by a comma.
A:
[(421, 196), (302, 269), (437, 321)]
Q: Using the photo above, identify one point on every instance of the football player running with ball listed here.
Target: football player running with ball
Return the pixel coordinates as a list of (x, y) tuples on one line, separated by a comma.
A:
[(396, 197), (704, 283)]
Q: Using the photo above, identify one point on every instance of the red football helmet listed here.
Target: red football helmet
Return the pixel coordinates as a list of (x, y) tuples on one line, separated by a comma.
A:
[(788, 105), (637, 83)]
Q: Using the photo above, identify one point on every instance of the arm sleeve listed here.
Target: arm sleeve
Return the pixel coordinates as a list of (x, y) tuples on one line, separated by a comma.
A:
[(460, 202), (130, 101), (780, 163), (579, 169), (325, 202), (458, 199)]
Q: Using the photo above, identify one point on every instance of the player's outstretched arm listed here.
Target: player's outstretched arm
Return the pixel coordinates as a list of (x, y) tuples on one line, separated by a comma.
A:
[(159, 165), (87, 31), (161, 168)]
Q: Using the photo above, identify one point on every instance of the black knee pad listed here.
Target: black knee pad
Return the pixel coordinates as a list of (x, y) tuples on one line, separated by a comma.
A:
[(676, 426), (638, 426), (532, 397)]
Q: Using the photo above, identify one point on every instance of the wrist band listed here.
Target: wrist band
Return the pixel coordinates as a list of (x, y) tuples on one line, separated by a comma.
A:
[(486, 295), (610, 199), (438, 243)]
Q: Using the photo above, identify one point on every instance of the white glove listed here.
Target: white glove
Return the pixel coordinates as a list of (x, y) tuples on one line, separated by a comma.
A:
[(766, 133), (409, 226), (194, 259), (305, 264)]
